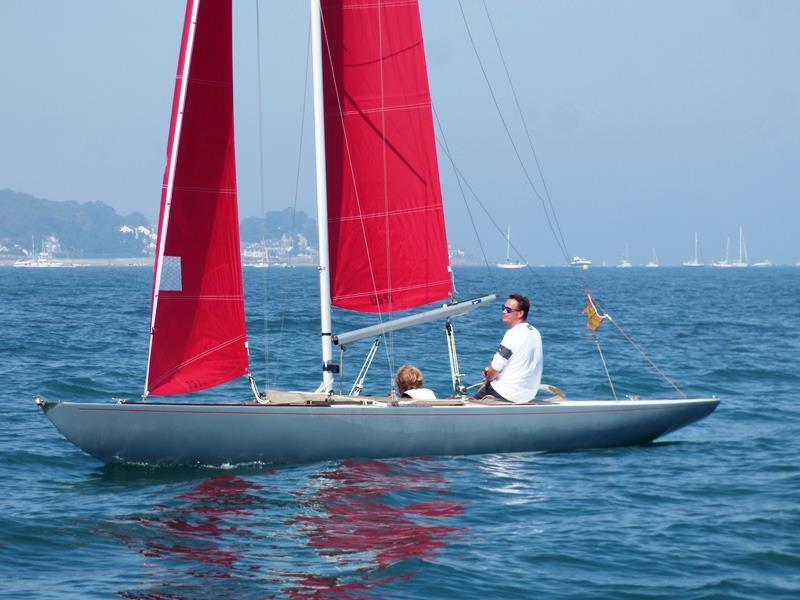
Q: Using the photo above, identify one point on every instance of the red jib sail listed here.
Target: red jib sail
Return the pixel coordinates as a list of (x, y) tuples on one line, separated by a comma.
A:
[(198, 335), (388, 247)]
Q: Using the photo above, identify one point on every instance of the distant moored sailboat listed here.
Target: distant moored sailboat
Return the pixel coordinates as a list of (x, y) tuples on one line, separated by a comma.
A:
[(625, 262), (654, 262), (695, 262), (729, 264), (510, 264)]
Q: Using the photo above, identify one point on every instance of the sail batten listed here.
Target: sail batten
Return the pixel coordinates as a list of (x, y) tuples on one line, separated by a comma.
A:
[(198, 337), (388, 246)]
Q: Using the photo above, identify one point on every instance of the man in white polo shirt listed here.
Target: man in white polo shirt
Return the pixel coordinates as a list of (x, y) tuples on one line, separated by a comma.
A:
[(516, 369)]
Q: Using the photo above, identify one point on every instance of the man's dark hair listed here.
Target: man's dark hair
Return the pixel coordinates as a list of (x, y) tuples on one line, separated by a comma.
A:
[(523, 302)]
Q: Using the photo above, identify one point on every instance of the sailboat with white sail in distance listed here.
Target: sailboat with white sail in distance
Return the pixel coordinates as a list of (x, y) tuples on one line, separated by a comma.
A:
[(695, 262), (653, 263), (625, 262), (42, 259), (741, 262), (510, 264), (371, 100)]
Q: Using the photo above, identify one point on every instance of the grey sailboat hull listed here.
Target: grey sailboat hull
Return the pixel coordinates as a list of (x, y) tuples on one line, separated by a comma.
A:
[(219, 434)]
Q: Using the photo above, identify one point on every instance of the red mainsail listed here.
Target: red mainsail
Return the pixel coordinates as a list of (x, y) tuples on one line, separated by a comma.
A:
[(388, 247), (198, 335)]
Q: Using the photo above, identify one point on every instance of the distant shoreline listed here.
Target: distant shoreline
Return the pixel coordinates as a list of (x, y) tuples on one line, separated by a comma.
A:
[(147, 261), (137, 261)]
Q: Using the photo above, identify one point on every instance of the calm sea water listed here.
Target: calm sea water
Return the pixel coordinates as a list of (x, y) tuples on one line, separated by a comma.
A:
[(711, 511)]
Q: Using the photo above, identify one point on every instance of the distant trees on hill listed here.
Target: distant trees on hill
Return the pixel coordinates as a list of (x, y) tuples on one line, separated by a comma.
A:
[(94, 229), (279, 224), (88, 229)]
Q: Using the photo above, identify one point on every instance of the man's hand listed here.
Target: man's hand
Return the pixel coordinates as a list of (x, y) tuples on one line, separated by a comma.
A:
[(489, 373)]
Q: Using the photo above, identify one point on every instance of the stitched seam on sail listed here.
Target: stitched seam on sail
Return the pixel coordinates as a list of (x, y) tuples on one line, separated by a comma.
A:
[(403, 211), (422, 286), (211, 82), (194, 359), (371, 4), (382, 109), (205, 190), (185, 297)]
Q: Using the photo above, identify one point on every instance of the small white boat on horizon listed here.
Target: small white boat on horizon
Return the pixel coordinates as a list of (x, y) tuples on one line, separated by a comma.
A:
[(737, 264), (510, 264), (38, 259), (695, 262), (653, 264), (578, 261), (625, 262)]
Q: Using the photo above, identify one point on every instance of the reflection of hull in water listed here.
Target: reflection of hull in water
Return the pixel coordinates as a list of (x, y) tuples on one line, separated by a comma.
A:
[(216, 434)]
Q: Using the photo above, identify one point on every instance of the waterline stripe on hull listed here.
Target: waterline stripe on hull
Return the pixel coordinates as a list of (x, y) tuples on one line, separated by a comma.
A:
[(402, 412)]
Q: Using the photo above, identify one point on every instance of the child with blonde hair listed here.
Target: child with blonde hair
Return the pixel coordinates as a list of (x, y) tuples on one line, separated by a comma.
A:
[(409, 382)]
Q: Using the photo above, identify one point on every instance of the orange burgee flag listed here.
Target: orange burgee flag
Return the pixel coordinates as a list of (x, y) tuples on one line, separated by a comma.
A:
[(594, 319)]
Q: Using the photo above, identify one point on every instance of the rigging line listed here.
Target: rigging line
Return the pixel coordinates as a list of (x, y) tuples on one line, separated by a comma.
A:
[(527, 132), (324, 30), (605, 366), (298, 169), (262, 203), (446, 149), (640, 350), (508, 133), (461, 178), (556, 231), (560, 241), (558, 237)]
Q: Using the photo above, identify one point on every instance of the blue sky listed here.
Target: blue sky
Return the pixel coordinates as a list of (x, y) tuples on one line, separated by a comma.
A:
[(651, 120)]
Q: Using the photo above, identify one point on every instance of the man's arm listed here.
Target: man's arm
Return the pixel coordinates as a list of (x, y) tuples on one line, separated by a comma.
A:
[(499, 361)]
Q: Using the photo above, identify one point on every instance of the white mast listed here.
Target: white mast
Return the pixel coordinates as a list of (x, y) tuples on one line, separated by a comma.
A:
[(743, 260), (322, 199), (508, 244)]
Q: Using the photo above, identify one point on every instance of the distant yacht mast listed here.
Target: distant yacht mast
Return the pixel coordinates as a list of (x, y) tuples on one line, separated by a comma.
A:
[(695, 262), (510, 264), (727, 263)]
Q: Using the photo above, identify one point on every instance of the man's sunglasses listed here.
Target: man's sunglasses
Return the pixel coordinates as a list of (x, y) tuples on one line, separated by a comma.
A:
[(508, 309)]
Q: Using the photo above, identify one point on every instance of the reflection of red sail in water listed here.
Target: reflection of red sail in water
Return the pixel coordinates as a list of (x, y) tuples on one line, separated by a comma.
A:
[(195, 536), (360, 520)]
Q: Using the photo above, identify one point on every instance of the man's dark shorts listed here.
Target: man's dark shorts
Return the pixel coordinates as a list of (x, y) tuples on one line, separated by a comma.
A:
[(487, 390)]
